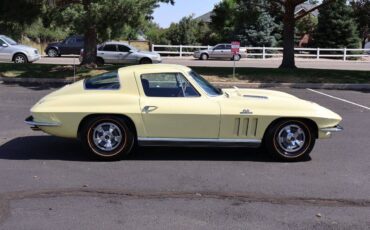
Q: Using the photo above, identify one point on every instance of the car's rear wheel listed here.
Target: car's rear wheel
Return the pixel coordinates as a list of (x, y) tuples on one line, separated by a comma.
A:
[(53, 53), (290, 140), (236, 57), (108, 137), (203, 57), (146, 61), (20, 59), (99, 61)]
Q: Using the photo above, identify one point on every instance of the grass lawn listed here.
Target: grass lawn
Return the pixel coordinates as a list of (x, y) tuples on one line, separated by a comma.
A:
[(214, 74)]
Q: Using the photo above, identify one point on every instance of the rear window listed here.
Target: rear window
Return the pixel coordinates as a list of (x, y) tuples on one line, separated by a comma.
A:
[(103, 81)]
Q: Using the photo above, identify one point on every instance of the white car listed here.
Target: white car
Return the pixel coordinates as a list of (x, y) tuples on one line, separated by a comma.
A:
[(122, 53), (10, 50)]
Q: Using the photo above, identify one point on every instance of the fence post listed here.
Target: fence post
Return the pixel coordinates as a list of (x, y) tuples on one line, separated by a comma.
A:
[(153, 47), (264, 53), (180, 50), (344, 54), (318, 54)]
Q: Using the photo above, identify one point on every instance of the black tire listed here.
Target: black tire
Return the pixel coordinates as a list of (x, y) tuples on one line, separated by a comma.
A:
[(146, 61), (20, 59), (100, 61), (90, 136), (204, 57), (52, 52), (278, 146)]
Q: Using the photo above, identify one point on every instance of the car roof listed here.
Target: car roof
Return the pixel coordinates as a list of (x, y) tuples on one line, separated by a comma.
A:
[(165, 67), (116, 43)]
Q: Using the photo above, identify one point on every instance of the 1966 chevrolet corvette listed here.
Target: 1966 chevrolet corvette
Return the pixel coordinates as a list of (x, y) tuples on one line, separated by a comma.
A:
[(171, 105)]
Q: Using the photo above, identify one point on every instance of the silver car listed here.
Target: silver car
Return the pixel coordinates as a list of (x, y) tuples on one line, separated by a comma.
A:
[(220, 51), (122, 53), (10, 50)]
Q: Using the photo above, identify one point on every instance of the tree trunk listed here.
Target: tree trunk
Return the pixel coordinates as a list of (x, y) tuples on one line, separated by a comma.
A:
[(89, 54), (288, 37)]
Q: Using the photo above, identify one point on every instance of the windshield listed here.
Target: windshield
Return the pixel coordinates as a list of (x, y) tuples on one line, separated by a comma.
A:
[(9, 40), (206, 86)]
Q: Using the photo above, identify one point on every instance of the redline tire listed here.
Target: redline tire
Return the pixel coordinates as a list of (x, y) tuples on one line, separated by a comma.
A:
[(90, 137), (289, 146)]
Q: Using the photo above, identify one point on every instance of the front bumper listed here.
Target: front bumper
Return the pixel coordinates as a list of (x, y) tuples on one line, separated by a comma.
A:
[(36, 125), (33, 58), (325, 133), (332, 129)]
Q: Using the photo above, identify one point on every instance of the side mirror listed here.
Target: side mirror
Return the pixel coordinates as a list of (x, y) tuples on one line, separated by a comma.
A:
[(4, 45)]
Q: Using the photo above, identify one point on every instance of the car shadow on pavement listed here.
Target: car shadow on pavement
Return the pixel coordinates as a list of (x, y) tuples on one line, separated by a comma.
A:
[(55, 148)]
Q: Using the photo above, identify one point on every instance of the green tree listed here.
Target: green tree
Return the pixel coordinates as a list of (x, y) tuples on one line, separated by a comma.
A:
[(336, 27), (289, 21), (245, 21), (15, 15), (361, 10), (103, 19), (187, 31)]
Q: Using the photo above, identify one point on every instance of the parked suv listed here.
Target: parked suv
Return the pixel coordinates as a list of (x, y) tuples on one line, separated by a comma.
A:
[(10, 50), (220, 51), (70, 45), (122, 53)]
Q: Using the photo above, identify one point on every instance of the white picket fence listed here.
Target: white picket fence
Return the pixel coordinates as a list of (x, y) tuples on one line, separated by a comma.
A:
[(267, 52)]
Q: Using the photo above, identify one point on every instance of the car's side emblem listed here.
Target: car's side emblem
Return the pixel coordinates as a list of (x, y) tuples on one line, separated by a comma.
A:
[(246, 112)]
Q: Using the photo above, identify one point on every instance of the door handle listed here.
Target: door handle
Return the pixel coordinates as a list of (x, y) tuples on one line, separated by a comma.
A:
[(149, 108)]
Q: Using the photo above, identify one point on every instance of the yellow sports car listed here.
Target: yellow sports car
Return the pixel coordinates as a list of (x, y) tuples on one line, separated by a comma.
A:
[(171, 105)]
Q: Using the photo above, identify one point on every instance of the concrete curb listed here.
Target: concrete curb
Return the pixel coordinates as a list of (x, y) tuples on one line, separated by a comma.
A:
[(218, 84)]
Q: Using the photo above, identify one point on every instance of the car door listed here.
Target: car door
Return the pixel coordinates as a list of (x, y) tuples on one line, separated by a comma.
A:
[(172, 108), (109, 53), (66, 46), (125, 55), (5, 51), (227, 52), (217, 51), (78, 45)]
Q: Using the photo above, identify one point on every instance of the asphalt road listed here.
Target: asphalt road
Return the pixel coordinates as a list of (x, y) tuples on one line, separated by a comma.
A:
[(258, 63), (49, 183)]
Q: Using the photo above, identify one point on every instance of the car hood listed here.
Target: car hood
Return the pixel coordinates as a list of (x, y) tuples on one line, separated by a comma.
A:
[(275, 103), (23, 47), (54, 44)]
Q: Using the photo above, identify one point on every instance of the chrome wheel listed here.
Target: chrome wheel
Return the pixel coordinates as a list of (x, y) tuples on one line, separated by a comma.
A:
[(291, 139), (107, 136), (20, 59)]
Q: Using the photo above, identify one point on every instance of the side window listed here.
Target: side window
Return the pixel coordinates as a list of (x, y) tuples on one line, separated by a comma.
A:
[(103, 81), (80, 40), (71, 41), (2, 42), (228, 47), (122, 48), (167, 85), (219, 47), (111, 48)]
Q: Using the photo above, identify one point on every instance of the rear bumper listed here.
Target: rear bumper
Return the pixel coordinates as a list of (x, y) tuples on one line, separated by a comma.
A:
[(35, 125)]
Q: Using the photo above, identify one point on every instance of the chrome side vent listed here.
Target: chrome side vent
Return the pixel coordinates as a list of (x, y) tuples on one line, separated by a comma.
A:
[(245, 127)]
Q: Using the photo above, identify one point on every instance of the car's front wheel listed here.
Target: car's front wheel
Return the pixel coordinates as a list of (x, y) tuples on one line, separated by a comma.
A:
[(107, 137), (290, 140), (20, 59), (146, 61)]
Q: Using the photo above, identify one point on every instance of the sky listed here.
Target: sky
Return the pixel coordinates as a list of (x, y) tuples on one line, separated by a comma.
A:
[(167, 13)]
